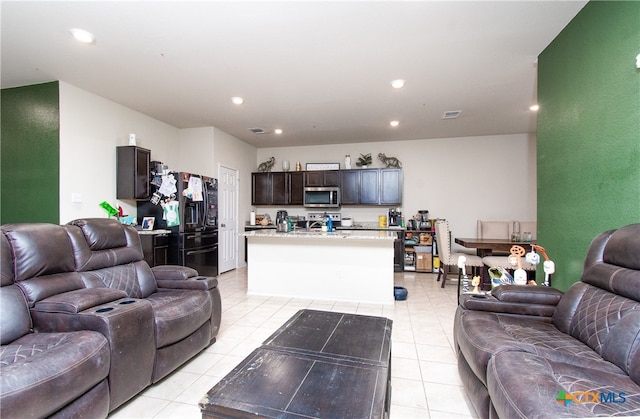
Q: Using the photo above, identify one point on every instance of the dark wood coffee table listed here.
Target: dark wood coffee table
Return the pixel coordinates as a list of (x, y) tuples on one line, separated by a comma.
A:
[(319, 364)]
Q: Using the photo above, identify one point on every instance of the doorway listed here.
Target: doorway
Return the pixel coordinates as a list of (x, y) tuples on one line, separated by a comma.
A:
[(227, 218)]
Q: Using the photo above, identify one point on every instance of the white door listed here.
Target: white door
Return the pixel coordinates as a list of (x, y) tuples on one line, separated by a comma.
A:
[(227, 219)]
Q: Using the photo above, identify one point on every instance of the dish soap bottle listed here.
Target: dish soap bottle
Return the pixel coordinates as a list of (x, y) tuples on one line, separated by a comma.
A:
[(329, 224)]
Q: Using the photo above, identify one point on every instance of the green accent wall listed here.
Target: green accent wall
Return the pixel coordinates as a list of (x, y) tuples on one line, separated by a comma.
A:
[(30, 154), (588, 133)]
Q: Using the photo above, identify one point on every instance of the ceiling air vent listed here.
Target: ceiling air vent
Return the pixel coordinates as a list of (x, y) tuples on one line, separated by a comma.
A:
[(451, 114), (257, 130)]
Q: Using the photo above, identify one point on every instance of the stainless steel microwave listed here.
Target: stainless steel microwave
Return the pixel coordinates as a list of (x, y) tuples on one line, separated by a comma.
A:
[(322, 197)]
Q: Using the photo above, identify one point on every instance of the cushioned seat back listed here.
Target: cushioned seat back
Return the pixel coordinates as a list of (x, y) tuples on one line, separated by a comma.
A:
[(41, 259), (493, 229), (603, 310), (14, 313), (108, 253)]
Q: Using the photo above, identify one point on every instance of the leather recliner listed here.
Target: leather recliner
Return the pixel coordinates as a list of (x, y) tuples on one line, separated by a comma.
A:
[(537, 352), (186, 307), (47, 374)]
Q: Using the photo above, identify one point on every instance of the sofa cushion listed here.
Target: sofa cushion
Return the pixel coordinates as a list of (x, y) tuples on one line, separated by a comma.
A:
[(481, 335), (597, 314), (6, 263), (101, 234), (135, 279), (39, 249), (178, 313), (122, 246), (42, 372), (622, 248), (15, 320), (623, 346), (524, 385)]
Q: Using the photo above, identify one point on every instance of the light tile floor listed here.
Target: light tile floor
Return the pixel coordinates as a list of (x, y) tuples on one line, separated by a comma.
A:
[(425, 381)]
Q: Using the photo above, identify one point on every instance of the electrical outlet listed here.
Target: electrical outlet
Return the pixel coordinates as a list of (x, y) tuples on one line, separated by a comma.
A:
[(76, 197)]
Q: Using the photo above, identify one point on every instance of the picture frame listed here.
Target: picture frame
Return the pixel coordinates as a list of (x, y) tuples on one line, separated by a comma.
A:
[(322, 166), (147, 223)]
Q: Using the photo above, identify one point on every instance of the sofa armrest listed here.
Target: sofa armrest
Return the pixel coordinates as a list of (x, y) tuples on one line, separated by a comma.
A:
[(518, 300), (128, 325), (79, 300), (194, 283), (527, 294), (173, 272), (478, 302), (182, 277)]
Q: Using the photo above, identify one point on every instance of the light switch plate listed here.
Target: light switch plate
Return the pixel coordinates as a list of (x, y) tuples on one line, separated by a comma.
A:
[(76, 197)]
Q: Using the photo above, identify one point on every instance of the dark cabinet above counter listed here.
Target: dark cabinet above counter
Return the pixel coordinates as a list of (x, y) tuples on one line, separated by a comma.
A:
[(371, 187), (357, 187), (322, 178), (132, 171), (277, 188)]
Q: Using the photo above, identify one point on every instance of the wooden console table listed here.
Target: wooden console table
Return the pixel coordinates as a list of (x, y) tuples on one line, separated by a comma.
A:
[(319, 364)]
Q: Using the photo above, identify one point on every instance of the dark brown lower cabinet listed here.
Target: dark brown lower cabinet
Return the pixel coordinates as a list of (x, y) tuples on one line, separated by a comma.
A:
[(155, 247)]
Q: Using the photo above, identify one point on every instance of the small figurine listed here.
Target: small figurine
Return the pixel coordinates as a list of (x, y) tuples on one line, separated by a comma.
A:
[(475, 282), (267, 165), (389, 161)]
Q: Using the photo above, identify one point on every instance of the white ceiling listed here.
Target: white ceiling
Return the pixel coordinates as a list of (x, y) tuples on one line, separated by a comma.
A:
[(319, 70)]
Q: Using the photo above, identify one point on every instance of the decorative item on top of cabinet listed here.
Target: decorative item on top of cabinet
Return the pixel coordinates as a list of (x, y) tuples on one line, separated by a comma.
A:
[(389, 161), (133, 168), (266, 166), (364, 160)]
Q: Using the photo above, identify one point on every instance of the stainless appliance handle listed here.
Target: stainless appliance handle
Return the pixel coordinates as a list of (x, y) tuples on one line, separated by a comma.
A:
[(205, 203), (198, 252), (202, 236)]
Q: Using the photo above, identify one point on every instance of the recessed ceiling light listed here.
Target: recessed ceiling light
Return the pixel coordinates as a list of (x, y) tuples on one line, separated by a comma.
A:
[(83, 36), (534, 107), (237, 100), (398, 83), (394, 123), (277, 131)]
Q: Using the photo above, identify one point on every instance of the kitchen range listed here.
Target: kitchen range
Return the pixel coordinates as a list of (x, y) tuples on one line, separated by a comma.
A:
[(187, 205)]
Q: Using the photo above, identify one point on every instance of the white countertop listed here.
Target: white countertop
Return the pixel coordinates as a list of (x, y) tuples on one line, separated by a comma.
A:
[(159, 231), (334, 235)]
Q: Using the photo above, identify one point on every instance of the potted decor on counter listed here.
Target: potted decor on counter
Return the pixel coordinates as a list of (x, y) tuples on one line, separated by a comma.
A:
[(364, 160)]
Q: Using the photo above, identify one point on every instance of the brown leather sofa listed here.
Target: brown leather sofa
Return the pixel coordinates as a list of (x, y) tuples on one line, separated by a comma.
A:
[(90, 276), (527, 352)]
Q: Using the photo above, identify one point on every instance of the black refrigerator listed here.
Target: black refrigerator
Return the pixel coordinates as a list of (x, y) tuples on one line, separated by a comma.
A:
[(193, 242)]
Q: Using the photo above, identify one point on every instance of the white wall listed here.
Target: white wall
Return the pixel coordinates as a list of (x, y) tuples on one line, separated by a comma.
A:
[(460, 179), (91, 127), (194, 152)]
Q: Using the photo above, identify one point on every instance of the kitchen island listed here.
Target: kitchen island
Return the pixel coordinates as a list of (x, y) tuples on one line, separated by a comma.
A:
[(354, 266)]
